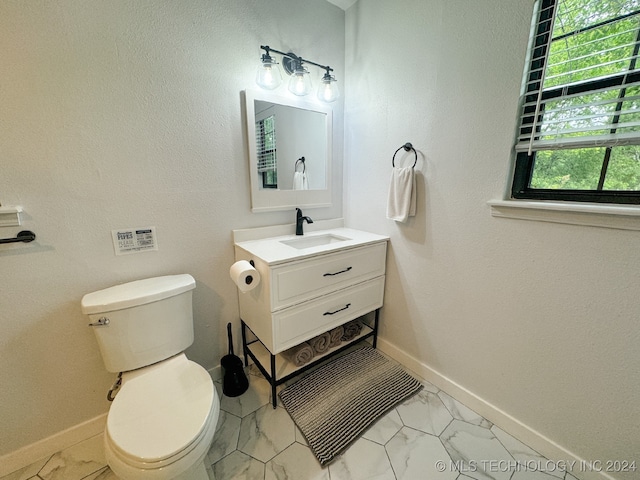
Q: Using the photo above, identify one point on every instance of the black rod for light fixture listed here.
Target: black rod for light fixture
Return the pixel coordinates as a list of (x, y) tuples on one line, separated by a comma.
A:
[(293, 56)]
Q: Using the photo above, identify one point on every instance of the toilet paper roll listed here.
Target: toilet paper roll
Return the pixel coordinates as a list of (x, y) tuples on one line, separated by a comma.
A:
[(244, 275)]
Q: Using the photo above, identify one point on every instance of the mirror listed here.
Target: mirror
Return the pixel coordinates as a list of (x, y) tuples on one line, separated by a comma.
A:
[(290, 145)]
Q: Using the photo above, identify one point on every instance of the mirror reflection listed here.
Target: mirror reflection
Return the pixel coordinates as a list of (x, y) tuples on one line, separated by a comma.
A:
[(291, 147)]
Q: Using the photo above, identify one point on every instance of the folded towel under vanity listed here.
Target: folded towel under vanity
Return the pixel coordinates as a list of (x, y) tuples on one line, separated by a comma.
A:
[(300, 354), (320, 344), (351, 330), (336, 336)]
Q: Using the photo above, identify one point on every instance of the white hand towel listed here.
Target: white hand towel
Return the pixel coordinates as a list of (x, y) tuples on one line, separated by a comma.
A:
[(402, 194), (300, 181)]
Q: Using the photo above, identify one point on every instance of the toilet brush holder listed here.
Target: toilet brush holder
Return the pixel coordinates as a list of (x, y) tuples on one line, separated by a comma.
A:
[(234, 381)]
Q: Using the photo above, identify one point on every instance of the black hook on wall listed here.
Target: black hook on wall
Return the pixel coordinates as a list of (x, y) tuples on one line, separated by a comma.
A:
[(25, 236)]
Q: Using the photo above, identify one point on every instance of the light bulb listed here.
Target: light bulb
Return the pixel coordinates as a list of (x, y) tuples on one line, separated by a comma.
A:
[(268, 75), (328, 90), (300, 83)]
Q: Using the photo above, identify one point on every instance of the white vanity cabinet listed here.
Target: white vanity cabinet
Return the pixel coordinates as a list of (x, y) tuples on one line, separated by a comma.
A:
[(305, 292)]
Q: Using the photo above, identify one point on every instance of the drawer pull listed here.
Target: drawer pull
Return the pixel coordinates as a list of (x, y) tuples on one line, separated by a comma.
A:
[(337, 273), (343, 308)]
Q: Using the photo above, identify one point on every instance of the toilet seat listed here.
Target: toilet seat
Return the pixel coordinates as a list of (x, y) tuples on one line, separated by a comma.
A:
[(161, 413)]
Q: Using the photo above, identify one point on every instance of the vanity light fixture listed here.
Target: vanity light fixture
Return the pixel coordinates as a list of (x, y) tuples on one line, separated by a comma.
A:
[(328, 91), (300, 82), (269, 77)]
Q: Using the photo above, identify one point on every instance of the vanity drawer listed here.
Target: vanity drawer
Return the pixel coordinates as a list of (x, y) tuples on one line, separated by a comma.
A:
[(299, 323), (297, 282)]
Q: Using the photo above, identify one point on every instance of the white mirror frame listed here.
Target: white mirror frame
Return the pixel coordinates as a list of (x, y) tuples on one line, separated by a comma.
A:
[(269, 200)]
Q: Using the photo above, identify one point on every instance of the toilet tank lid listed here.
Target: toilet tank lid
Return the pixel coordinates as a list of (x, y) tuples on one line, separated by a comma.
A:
[(139, 292)]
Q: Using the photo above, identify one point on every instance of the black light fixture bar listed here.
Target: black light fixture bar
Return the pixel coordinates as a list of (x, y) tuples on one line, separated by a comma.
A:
[(268, 75), (295, 57)]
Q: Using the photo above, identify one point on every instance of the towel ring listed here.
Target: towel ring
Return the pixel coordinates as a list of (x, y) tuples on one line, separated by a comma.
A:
[(407, 146), (304, 165)]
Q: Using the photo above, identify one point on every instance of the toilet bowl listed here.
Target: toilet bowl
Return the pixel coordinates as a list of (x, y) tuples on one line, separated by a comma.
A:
[(162, 420)]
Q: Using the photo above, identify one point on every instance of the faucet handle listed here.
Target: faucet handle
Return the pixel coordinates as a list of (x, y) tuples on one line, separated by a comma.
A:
[(300, 219)]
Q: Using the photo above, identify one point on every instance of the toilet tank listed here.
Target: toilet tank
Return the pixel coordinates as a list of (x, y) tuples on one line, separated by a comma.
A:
[(142, 322)]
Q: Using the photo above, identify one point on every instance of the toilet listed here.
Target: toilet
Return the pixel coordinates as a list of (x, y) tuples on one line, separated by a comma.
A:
[(163, 417)]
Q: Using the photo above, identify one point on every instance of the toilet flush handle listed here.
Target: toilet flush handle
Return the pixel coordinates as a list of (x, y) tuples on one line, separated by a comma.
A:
[(102, 321)]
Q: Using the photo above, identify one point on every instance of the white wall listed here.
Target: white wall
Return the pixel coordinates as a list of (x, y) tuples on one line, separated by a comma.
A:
[(127, 113), (538, 319), (117, 114)]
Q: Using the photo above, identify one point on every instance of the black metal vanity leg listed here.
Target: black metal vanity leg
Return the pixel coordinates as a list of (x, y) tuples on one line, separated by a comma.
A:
[(274, 400), (375, 327), (244, 343)]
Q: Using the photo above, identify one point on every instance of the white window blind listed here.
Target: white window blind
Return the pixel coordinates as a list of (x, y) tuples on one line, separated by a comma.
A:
[(266, 144), (583, 83)]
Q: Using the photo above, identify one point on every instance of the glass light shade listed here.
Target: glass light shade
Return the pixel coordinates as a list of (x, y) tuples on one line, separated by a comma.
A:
[(328, 90), (268, 75), (300, 83)]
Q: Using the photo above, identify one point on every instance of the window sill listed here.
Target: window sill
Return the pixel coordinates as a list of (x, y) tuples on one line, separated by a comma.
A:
[(572, 213)]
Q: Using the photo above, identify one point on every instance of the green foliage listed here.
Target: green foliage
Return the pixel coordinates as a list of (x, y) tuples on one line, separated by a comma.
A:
[(577, 169), (585, 56), (592, 54), (624, 169)]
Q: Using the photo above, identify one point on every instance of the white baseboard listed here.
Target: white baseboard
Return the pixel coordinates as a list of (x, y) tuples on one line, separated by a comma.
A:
[(509, 424), (46, 447)]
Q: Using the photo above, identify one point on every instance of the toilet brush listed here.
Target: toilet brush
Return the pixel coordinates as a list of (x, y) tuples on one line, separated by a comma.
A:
[(234, 382)]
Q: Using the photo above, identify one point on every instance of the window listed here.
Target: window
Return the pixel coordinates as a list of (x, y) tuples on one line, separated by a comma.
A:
[(266, 149), (579, 130)]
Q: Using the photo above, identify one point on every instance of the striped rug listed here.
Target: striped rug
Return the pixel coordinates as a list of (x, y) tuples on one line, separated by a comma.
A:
[(337, 402)]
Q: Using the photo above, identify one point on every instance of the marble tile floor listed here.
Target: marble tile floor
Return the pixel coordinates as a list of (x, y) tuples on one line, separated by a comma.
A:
[(429, 436)]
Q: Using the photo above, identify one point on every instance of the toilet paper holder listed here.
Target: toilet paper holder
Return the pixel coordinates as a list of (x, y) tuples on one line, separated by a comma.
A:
[(25, 236), (245, 275), (249, 279)]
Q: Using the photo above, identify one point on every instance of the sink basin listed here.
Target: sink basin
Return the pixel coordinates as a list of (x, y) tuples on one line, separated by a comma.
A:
[(314, 241), (276, 245)]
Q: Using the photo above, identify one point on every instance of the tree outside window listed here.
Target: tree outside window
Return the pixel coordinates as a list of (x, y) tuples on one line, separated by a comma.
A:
[(579, 136)]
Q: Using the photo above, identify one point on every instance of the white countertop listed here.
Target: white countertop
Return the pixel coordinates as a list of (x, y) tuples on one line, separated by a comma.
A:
[(272, 251)]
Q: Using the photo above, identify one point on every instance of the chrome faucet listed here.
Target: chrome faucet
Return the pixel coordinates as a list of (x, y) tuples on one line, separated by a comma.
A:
[(300, 220)]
